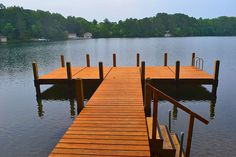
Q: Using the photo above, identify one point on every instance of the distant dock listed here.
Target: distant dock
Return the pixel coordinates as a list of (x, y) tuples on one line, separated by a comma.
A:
[(115, 120)]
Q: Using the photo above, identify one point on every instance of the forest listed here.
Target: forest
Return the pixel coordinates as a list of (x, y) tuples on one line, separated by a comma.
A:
[(18, 23)]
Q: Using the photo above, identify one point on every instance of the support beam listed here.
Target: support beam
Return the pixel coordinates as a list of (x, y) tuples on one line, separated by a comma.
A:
[(154, 118), (36, 77), (62, 61), (190, 134), (68, 70), (101, 71), (87, 60), (216, 80), (193, 59), (114, 60), (138, 59), (148, 98), (165, 59), (177, 70), (79, 93), (143, 70)]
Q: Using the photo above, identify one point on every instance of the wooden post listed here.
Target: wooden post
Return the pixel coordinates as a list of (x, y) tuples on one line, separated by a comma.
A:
[(154, 118), (62, 61), (193, 59), (143, 70), (216, 75), (79, 92), (36, 77), (88, 60), (190, 134), (165, 59), (217, 67), (148, 97), (138, 59), (177, 70), (101, 70), (114, 60), (68, 70)]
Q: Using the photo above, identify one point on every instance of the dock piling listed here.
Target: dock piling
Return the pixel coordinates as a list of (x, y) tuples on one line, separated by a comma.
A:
[(114, 60), (177, 70), (143, 70), (79, 93), (88, 60), (138, 59), (215, 79), (165, 59), (36, 77), (62, 61), (68, 70), (148, 98), (193, 59), (100, 70)]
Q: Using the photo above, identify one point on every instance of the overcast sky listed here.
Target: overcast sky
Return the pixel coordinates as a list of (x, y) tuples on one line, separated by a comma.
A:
[(116, 10)]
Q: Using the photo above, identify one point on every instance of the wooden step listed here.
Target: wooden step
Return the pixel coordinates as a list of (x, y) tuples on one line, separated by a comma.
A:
[(177, 144), (168, 149), (155, 144)]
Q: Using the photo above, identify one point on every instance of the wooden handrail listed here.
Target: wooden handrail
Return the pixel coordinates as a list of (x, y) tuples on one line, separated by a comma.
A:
[(175, 103)]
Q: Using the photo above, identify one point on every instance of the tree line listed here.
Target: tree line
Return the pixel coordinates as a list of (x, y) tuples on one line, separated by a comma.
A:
[(18, 23)]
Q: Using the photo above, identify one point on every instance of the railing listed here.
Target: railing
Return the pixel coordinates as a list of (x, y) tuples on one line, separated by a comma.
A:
[(153, 93), (199, 63)]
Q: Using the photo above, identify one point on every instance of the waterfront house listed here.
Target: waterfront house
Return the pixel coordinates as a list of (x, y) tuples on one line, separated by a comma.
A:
[(72, 36), (3, 39), (88, 35), (168, 34)]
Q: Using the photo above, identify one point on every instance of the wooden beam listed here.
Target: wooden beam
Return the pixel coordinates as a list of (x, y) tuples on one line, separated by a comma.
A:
[(138, 59), (143, 70), (79, 92), (114, 60), (101, 70), (217, 67), (35, 71), (68, 70), (87, 60), (193, 59), (62, 61), (165, 59), (190, 134), (36, 78), (154, 118), (177, 70)]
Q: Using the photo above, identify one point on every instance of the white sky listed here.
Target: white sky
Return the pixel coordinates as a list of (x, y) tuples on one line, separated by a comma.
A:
[(116, 10)]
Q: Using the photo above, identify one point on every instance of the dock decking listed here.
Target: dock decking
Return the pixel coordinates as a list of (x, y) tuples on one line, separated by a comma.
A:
[(113, 121)]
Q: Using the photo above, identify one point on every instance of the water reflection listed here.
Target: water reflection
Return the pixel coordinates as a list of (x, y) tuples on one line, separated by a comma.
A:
[(64, 92), (196, 93)]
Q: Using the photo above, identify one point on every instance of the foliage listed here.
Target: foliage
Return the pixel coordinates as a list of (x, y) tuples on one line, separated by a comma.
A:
[(21, 24)]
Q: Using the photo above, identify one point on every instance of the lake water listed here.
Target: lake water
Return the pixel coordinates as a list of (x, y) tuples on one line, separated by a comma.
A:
[(32, 128)]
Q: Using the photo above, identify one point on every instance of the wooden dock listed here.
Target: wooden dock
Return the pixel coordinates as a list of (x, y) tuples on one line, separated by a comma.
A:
[(113, 123)]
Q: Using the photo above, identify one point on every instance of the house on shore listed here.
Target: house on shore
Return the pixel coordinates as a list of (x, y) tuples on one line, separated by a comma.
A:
[(88, 35), (3, 39), (72, 36), (167, 34)]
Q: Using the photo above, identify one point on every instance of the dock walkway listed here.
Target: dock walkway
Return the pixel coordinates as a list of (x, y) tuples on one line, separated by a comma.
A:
[(113, 121)]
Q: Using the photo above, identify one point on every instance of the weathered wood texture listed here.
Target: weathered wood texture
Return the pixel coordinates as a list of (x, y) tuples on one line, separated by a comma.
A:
[(113, 121)]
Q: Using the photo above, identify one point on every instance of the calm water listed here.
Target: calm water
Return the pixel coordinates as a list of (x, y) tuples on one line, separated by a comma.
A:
[(32, 128)]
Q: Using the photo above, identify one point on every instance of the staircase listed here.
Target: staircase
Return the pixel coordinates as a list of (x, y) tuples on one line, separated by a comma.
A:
[(162, 142), (166, 144)]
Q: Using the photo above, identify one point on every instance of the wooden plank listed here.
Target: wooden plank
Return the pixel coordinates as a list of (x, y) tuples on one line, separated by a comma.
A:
[(113, 121)]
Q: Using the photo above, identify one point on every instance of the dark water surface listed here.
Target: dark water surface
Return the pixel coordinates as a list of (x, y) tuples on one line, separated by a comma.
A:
[(32, 128)]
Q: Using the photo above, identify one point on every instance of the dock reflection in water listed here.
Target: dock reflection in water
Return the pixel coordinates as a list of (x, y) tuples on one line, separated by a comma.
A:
[(191, 92), (65, 93)]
